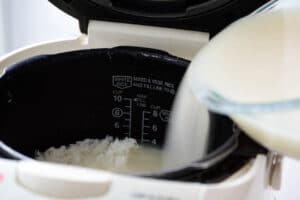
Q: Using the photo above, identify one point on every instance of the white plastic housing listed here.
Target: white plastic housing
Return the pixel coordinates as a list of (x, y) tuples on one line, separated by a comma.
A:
[(62, 181), (247, 184)]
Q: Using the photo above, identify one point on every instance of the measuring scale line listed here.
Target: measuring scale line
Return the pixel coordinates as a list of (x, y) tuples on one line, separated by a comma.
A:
[(144, 126), (129, 113), (147, 141)]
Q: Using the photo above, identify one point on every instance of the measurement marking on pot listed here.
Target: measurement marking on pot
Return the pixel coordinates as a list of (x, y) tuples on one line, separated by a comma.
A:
[(147, 141), (164, 115), (117, 112), (129, 114), (144, 119)]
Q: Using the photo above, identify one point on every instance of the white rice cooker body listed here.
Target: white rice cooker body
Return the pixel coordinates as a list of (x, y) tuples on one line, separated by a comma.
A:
[(36, 180)]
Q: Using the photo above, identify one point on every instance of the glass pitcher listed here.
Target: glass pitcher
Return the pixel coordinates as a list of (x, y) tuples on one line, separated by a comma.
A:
[(250, 72)]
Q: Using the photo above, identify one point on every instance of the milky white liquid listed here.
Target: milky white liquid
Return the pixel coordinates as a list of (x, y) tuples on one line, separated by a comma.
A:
[(257, 60), (188, 130)]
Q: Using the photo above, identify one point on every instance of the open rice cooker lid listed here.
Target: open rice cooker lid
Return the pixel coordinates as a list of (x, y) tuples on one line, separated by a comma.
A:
[(200, 15)]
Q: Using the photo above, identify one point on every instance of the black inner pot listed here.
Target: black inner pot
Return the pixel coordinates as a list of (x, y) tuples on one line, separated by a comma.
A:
[(54, 100)]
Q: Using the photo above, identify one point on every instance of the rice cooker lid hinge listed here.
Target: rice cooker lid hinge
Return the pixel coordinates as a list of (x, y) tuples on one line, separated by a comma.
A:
[(199, 15)]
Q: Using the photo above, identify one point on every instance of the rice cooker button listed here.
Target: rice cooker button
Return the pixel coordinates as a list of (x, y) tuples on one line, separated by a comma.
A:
[(61, 181)]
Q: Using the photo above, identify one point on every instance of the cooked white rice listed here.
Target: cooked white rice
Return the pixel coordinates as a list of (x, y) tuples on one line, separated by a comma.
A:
[(124, 156)]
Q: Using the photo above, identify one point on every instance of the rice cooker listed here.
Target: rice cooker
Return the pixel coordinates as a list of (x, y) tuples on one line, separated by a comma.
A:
[(120, 78)]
